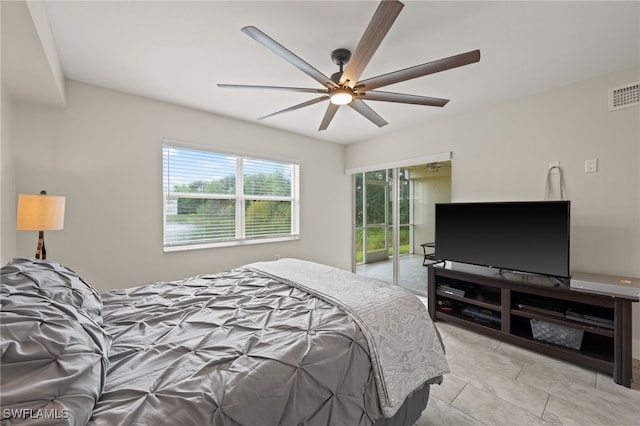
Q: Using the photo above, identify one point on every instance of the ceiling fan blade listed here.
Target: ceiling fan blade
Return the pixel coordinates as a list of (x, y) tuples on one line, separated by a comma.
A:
[(288, 56), (328, 116), (382, 20), (419, 70), (366, 110), (295, 107), (374, 95), (288, 89)]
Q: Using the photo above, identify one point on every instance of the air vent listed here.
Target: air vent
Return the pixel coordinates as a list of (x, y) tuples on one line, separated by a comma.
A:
[(624, 96)]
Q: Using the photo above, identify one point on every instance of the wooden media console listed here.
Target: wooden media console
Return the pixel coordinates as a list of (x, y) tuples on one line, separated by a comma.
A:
[(588, 328)]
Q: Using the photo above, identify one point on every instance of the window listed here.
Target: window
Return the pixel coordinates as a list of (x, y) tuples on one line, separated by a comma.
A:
[(215, 199)]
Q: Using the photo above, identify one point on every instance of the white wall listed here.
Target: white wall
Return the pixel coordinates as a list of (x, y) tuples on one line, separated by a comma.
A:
[(502, 153), (103, 152), (8, 201)]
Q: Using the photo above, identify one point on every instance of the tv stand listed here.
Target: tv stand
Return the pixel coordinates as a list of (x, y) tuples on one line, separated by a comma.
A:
[(510, 307)]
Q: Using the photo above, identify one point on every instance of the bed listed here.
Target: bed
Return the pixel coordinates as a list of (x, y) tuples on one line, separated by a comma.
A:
[(288, 342)]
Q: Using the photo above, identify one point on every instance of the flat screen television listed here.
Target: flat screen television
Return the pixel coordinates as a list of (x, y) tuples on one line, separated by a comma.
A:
[(528, 236)]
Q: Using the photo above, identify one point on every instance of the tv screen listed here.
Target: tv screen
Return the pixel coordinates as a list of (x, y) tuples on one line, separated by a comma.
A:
[(529, 236)]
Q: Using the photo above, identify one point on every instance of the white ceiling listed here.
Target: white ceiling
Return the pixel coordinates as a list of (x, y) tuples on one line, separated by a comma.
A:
[(178, 51)]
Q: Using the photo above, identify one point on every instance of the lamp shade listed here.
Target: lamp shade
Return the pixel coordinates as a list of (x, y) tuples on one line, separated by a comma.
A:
[(40, 212)]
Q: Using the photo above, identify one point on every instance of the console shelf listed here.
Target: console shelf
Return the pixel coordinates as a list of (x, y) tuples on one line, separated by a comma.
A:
[(484, 301), (564, 322), (508, 306)]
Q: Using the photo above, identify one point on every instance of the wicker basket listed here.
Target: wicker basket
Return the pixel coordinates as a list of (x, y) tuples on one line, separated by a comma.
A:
[(557, 334)]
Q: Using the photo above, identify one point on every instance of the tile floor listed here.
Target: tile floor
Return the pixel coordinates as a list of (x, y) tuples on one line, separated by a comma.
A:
[(413, 275), (495, 383)]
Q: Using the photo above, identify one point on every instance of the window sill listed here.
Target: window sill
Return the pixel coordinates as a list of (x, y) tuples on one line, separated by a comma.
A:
[(232, 243)]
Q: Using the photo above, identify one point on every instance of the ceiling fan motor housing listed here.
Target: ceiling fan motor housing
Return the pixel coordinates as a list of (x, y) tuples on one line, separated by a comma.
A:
[(339, 57)]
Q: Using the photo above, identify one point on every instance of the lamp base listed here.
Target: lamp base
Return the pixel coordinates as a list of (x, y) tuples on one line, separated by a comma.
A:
[(41, 251)]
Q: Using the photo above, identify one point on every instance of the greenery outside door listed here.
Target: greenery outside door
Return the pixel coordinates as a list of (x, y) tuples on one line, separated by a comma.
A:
[(374, 216)]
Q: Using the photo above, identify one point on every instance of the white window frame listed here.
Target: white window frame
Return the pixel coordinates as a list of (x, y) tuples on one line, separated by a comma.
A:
[(239, 197)]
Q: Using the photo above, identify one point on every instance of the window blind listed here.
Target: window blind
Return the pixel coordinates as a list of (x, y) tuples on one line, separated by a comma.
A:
[(212, 197)]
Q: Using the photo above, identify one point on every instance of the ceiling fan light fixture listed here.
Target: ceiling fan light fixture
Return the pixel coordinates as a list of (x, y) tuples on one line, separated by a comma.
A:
[(341, 96)]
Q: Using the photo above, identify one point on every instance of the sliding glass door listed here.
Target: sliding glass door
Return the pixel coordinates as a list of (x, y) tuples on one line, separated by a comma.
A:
[(393, 216), (382, 200), (373, 218)]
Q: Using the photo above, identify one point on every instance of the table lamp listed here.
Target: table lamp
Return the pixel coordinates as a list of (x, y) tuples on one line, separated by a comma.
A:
[(40, 212)]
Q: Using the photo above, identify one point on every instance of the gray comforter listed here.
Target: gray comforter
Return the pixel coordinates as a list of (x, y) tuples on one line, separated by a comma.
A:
[(241, 347), (404, 345), (53, 347)]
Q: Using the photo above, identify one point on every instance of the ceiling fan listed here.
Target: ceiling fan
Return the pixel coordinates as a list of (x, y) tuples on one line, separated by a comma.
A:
[(344, 86)]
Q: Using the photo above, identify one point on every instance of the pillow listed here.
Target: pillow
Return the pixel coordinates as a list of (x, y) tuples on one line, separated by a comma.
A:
[(54, 350)]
